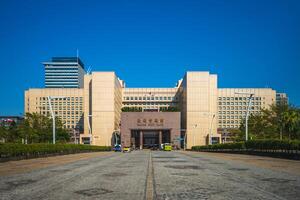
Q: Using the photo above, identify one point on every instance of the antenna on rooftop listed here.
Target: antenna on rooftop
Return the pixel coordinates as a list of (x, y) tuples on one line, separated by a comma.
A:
[(89, 70), (77, 55)]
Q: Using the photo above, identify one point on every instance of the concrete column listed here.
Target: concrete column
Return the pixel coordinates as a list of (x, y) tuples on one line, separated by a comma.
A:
[(141, 139), (160, 138)]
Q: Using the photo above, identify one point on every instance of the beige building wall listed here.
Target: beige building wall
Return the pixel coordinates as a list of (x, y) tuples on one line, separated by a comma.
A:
[(106, 102), (150, 98), (69, 109), (232, 107), (87, 104), (199, 106)]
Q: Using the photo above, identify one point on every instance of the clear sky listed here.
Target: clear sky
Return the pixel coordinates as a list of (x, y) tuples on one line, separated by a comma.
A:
[(152, 43)]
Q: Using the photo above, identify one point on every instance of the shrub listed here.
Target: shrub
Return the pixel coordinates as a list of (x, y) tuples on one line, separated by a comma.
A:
[(31, 150), (283, 145)]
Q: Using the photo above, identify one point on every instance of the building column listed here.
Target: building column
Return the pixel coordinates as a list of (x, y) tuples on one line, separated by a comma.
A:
[(160, 138), (141, 139)]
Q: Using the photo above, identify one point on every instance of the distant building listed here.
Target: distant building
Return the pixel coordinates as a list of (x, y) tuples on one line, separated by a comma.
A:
[(10, 120), (232, 105), (282, 98), (64, 72)]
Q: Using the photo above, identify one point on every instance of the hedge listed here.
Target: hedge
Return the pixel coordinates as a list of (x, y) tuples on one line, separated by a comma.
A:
[(237, 145), (8, 150), (274, 145)]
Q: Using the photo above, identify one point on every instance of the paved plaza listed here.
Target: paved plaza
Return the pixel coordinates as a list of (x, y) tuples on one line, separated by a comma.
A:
[(150, 175)]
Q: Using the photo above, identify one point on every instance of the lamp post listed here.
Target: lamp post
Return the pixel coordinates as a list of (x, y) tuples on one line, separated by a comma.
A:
[(53, 115), (210, 130), (248, 111), (116, 136), (89, 126)]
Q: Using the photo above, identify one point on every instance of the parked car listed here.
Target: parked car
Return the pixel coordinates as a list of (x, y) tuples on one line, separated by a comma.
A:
[(167, 147), (126, 149)]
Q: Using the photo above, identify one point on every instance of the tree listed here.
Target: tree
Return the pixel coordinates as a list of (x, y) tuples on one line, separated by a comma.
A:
[(281, 121), (37, 128), (291, 120)]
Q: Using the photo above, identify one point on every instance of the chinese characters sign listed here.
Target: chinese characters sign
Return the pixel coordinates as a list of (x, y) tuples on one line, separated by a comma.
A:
[(150, 122)]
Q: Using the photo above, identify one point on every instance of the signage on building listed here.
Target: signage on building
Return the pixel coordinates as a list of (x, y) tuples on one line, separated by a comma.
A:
[(150, 122)]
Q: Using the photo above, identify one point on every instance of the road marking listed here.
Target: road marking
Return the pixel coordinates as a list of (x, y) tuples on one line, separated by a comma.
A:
[(150, 195)]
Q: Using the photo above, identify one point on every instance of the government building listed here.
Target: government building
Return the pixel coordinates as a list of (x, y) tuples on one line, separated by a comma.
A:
[(101, 110)]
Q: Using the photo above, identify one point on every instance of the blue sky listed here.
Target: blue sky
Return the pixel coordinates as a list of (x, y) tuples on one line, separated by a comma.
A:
[(152, 43)]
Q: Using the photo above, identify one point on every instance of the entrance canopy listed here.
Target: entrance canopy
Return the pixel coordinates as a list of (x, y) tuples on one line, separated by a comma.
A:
[(150, 129)]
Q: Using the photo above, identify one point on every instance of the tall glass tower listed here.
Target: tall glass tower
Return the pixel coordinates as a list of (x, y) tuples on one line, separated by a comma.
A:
[(64, 72)]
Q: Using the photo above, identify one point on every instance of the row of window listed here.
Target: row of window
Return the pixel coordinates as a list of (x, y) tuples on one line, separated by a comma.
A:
[(239, 108), (236, 112), (150, 98), (228, 126), (149, 103), (61, 68), (73, 104), (239, 98), (66, 98), (230, 117), (239, 103), (229, 122)]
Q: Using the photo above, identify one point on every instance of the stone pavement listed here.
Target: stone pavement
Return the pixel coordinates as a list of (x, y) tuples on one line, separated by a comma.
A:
[(152, 175)]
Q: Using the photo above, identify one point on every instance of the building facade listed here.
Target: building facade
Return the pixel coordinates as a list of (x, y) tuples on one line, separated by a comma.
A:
[(282, 98), (105, 111), (64, 72), (69, 107)]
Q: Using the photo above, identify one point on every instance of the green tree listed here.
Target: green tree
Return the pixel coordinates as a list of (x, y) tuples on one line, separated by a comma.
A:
[(37, 128), (291, 120), (281, 121)]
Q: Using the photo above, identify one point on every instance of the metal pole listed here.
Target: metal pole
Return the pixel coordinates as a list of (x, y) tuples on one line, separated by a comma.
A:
[(248, 111), (210, 132), (89, 126), (53, 119), (184, 142), (116, 138), (247, 116)]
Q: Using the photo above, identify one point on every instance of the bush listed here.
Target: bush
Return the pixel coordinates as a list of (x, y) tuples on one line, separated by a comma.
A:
[(273, 144), (169, 109), (33, 150), (132, 109), (283, 145), (237, 145)]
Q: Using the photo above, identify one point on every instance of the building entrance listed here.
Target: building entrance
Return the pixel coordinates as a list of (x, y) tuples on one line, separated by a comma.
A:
[(149, 139)]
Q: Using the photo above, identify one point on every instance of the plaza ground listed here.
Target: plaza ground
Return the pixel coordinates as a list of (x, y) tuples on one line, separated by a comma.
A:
[(150, 175)]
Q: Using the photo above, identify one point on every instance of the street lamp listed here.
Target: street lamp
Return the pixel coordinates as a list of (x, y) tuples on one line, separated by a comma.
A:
[(210, 130), (116, 136), (53, 115), (248, 110), (89, 126)]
